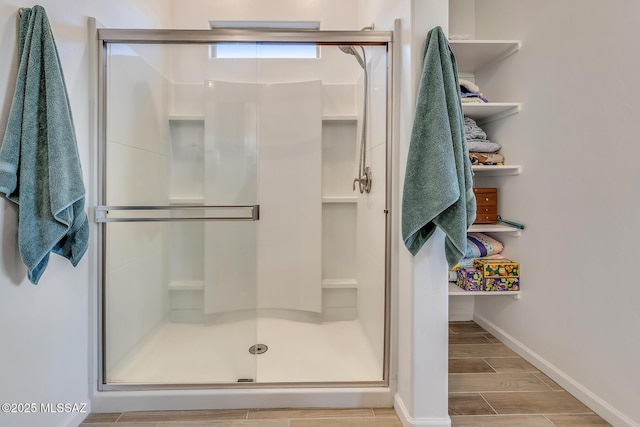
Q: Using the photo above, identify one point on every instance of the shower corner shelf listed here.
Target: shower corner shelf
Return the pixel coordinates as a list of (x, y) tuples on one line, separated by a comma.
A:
[(455, 290), (339, 283), (339, 118), (186, 285), (339, 199), (185, 118)]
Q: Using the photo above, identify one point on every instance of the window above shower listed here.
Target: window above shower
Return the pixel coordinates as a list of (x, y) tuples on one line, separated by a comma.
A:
[(235, 50)]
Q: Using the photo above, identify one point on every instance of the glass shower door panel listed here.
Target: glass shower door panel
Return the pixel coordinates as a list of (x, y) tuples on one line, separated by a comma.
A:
[(166, 238)]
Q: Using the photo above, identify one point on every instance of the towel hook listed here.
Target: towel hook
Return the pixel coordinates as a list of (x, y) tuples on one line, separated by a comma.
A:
[(20, 11)]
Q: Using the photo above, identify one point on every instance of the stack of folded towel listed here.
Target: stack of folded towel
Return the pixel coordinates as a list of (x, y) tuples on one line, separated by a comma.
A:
[(479, 245), (470, 92), (484, 268), (481, 150)]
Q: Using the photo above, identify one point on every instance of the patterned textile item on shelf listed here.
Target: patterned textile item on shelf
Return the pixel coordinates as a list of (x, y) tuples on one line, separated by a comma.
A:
[(470, 262), (472, 100), (481, 245), (486, 159)]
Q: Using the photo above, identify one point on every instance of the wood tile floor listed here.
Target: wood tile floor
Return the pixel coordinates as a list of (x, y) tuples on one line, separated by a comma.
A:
[(489, 386)]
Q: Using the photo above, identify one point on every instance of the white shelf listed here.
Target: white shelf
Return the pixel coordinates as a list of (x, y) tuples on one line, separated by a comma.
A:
[(340, 118), (186, 285), (496, 170), (186, 118), (339, 283), (340, 199), (455, 290), (491, 111), (493, 228), (474, 55)]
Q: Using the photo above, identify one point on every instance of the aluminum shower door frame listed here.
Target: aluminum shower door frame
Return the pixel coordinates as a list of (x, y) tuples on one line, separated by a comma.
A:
[(107, 36)]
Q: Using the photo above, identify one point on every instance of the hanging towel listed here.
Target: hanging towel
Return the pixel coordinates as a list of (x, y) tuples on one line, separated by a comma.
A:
[(39, 164), (438, 186)]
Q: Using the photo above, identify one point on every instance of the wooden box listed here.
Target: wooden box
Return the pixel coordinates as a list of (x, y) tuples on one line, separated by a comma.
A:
[(487, 205)]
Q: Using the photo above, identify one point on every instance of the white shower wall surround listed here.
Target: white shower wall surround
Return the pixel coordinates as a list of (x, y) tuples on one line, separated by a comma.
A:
[(281, 127), (311, 267)]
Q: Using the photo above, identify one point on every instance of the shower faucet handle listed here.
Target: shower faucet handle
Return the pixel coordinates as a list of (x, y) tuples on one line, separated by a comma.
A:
[(364, 182)]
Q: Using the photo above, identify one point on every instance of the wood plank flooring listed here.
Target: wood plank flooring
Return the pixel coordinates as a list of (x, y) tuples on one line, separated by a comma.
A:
[(489, 386)]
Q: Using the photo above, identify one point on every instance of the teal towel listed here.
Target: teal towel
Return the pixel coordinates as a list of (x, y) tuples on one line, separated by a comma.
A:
[(438, 186), (39, 164)]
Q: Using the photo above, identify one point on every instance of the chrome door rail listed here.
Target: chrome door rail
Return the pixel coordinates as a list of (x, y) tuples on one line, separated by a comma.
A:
[(143, 36), (234, 213)]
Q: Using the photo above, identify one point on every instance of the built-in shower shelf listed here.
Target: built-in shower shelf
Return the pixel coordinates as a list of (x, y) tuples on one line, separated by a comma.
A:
[(340, 199), (339, 283), (340, 118), (186, 118)]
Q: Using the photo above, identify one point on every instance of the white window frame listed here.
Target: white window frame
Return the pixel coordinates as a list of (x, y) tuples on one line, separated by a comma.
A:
[(265, 50)]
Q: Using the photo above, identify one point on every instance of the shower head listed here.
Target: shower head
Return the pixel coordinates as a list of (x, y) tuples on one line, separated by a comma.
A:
[(350, 50)]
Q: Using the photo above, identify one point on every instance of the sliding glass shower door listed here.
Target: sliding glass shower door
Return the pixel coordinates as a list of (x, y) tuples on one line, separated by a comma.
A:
[(180, 233), (235, 244)]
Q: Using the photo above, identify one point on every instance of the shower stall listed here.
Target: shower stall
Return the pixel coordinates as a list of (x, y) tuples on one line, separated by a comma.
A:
[(241, 243)]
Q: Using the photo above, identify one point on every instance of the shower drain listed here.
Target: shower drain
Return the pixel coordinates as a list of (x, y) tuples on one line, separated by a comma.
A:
[(258, 349)]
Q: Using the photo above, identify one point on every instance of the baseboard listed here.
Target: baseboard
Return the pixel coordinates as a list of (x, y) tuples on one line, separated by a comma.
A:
[(595, 403), (408, 420), (77, 419), (461, 308), (263, 398)]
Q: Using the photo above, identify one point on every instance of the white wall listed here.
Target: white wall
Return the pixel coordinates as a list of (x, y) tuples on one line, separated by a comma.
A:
[(577, 194), (333, 14), (420, 304), (54, 317), (46, 329)]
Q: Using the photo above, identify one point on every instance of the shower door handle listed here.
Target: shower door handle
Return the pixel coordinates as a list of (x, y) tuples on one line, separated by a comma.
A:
[(172, 213)]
